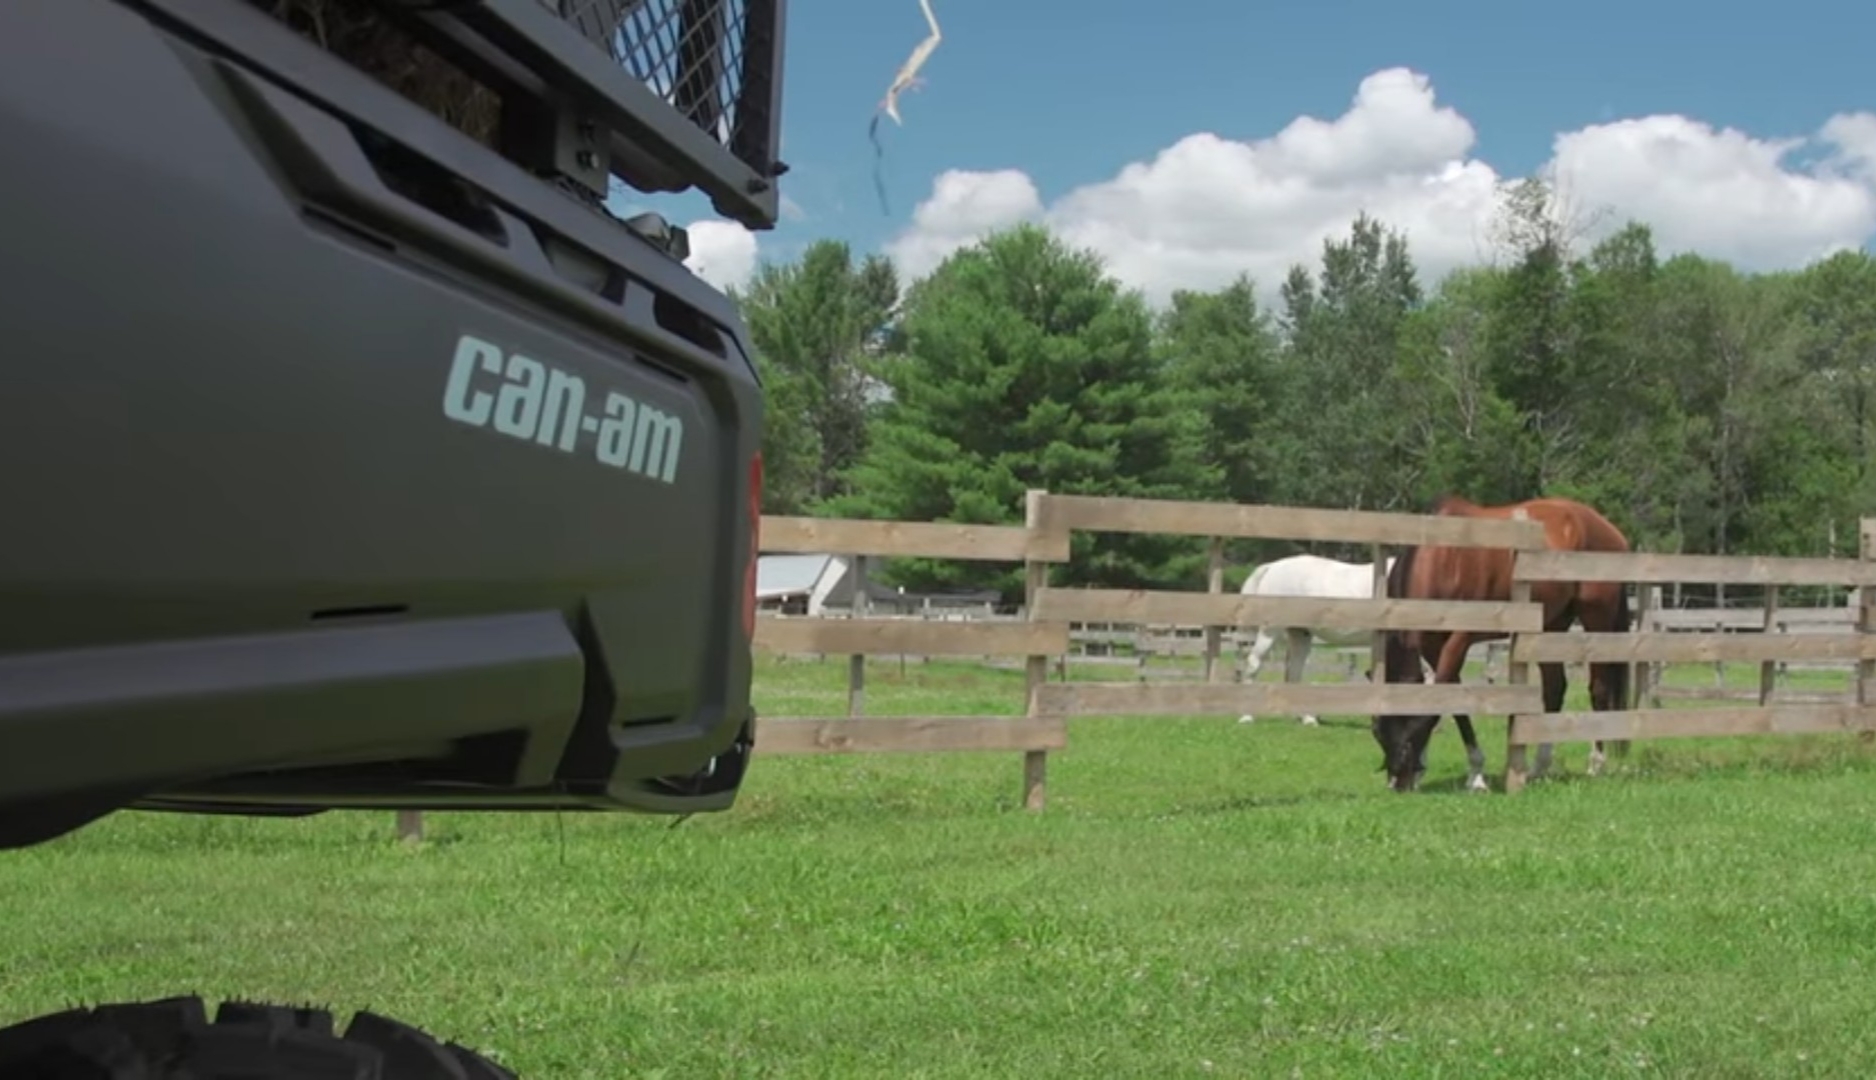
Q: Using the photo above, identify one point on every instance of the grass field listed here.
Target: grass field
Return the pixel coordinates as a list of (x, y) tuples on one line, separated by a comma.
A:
[(1201, 898)]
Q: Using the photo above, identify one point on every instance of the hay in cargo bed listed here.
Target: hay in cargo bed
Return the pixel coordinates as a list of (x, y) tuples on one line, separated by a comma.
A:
[(358, 32)]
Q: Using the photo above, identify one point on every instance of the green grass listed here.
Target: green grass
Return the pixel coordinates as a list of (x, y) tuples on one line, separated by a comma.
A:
[(1201, 898)]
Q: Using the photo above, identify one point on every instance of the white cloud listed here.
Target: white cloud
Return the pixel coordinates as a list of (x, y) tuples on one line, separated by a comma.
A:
[(723, 253), (963, 207), (1720, 192), (1853, 135), (1207, 208)]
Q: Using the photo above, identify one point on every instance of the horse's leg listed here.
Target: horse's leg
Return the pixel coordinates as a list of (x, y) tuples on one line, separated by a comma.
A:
[(1260, 648), (1255, 662), (1605, 695), (1598, 700), (1450, 662), (1475, 757), (1448, 659), (1296, 660), (1555, 684), (1608, 683)]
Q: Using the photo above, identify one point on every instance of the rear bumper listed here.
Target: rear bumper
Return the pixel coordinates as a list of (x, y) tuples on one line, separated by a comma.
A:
[(476, 712)]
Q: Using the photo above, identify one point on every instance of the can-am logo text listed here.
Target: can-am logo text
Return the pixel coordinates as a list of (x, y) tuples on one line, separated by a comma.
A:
[(523, 398)]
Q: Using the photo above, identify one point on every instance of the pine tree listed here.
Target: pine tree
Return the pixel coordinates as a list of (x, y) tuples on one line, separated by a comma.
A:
[(1026, 366)]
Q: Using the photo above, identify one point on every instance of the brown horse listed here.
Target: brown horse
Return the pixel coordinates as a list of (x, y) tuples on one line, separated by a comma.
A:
[(1438, 572)]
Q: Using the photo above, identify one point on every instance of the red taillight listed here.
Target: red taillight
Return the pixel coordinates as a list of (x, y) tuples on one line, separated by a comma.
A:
[(755, 545)]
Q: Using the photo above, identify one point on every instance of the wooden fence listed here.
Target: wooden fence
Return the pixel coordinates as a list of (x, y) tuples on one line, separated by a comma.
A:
[(1034, 734), (1783, 636), (1769, 647), (1045, 538)]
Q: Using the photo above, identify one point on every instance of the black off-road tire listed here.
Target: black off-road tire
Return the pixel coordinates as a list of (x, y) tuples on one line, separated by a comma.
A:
[(173, 1039)]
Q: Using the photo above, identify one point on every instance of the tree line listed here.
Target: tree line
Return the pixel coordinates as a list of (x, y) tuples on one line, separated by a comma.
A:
[(1702, 408)]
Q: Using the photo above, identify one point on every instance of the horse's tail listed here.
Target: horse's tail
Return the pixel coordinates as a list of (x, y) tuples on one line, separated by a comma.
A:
[(1398, 661), (1256, 579), (1601, 534), (1398, 574)]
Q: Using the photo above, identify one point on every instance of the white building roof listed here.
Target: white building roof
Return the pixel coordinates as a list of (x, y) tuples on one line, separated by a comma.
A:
[(778, 576)]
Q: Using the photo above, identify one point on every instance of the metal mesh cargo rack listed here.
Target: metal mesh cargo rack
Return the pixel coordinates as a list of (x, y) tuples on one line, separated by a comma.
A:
[(690, 90), (663, 95)]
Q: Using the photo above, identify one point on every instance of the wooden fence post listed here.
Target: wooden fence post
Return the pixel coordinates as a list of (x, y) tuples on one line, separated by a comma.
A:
[(856, 664), (1642, 676), (410, 825), (1035, 579), (1215, 584), (1866, 621), (1768, 670)]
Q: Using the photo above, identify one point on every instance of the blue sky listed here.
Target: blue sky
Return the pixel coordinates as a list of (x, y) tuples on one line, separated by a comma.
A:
[(1070, 93)]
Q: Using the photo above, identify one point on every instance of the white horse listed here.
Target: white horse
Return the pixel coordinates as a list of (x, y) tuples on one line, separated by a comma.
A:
[(1312, 576)]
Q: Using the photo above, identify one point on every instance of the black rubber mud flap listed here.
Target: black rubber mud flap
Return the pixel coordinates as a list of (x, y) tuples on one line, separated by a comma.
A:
[(173, 1039)]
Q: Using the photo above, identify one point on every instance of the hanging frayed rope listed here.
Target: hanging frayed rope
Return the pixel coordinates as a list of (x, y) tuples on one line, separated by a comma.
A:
[(906, 79)]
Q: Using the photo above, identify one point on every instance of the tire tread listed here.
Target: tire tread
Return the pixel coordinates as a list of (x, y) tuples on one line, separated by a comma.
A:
[(174, 1039)]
